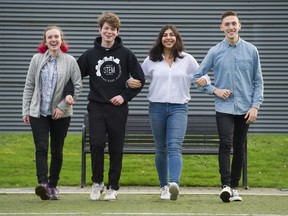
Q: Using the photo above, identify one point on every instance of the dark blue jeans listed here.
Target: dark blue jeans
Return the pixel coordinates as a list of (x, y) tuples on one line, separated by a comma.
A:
[(41, 128), (232, 131)]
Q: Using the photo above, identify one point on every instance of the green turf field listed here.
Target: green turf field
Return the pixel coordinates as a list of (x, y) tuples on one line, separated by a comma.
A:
[(267, 167), (144, 204), (267, 164)]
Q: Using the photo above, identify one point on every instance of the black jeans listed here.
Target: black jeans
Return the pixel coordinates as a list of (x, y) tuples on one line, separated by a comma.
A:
[(232, 131), (107, 121), (41, 127)]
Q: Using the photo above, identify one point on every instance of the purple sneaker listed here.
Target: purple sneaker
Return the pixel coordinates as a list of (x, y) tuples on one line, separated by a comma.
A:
[(42, 191), (54, 193)]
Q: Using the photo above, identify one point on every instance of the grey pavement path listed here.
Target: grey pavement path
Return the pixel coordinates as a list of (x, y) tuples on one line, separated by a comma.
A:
[(152, 190)]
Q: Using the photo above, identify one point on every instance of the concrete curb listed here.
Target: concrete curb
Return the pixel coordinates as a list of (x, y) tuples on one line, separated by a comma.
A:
[(152, 190)]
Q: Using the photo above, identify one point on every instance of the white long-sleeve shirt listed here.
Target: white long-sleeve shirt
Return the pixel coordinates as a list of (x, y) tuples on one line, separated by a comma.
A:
[(170, 84)]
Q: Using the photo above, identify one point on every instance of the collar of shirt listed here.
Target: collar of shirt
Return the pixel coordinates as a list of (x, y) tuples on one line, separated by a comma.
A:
[(232, 45)]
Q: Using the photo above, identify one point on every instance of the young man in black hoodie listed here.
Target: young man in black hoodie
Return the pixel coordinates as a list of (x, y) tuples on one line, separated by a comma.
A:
[(109, 65)]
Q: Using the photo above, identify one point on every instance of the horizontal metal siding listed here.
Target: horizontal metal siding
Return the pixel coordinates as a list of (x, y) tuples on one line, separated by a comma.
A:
[(264, 23)]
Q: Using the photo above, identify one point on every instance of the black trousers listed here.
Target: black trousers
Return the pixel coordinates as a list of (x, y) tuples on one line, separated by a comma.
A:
[(41, 128), (107, 124), (232, 131)]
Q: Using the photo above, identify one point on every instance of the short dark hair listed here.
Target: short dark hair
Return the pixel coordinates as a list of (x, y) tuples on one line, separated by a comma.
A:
[(228, 13)]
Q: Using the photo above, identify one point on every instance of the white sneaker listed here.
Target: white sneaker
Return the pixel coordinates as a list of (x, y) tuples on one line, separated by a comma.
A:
[(174, 190), (225, 194), (235, 196), (164, 193), (96, 191), (110, 195)]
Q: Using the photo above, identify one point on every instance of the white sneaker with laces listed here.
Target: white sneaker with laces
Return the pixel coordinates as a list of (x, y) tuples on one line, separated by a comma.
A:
[(225, 194), (174, 190), (164, 193), (235, 196), (96, 191), (110, 195)]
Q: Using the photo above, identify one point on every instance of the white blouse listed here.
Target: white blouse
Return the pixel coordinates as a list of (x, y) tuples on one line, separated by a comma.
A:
[(170, 84)]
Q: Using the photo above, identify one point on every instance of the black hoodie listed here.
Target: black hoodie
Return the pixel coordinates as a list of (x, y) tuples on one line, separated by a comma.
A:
[(109, 70)]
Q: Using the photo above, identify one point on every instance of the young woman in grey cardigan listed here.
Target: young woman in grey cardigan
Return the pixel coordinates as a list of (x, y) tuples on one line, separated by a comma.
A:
[(44, 107)]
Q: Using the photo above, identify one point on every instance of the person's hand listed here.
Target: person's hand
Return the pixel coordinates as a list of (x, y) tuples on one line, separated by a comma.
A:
[(134, 83), (201, 81), (26, 119), (117, 100), (57, 114), (222, 93), (251, 115), (69, 100)]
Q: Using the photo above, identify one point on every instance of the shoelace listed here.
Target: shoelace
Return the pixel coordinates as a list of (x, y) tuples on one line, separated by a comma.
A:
[(110, 192), (235, 193), (54, 191)]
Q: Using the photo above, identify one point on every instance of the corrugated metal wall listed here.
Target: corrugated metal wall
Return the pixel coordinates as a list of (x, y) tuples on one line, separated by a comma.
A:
[(264, 23)]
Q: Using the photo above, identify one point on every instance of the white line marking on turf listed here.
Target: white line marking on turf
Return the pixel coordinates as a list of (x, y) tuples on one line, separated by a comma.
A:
[(51, 213), (144, 213), (192, 214)]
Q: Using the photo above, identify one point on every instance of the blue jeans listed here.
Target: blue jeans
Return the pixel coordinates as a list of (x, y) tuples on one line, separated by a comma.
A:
[(168, 124)]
